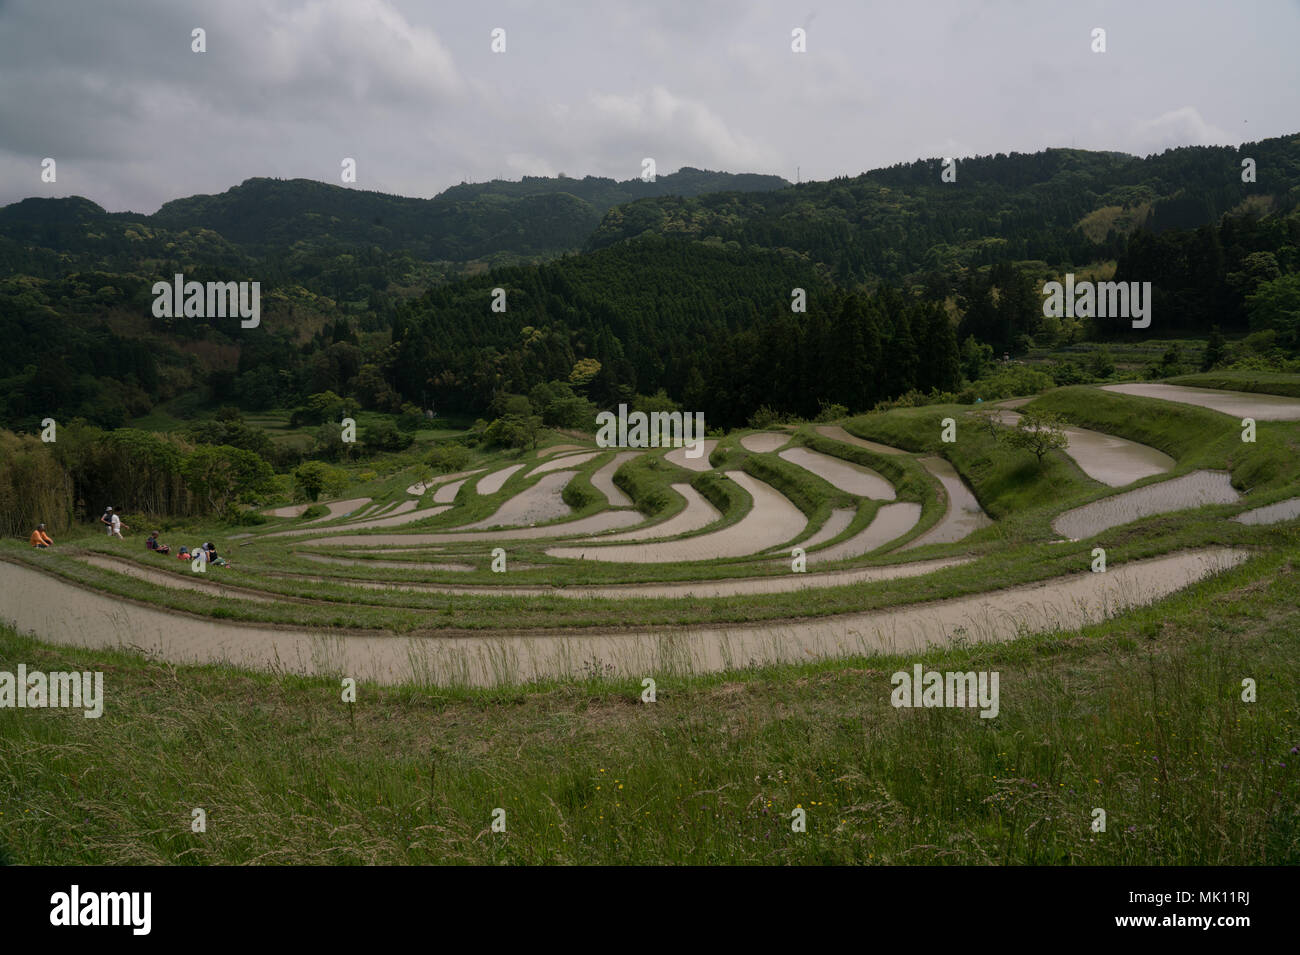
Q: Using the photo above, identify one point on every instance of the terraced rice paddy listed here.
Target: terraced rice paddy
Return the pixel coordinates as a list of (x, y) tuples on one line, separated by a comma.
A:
[(563, 461), (558, 449), (698, 513), (497, 479), (447, 493), (406, 517), (834, 526), (594, 524), (81, 617), (680, 456), (836, 433), (534, 505), (772, 521), (1287, 510), (964, 515), (1238, 404), (194, 582), (337, 509), (1191, 490), (334, 509), (1106, 458), (724, 540), (764, 441), (603, 480), (420, 487), (395, 564), (853, 478), (890, 523)]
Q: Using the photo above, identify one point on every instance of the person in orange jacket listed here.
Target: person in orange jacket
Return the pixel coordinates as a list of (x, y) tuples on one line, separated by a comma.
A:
[(39, 538)]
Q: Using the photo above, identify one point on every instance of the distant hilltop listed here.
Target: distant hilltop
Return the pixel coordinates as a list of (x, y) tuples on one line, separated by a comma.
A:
[(539, 217)]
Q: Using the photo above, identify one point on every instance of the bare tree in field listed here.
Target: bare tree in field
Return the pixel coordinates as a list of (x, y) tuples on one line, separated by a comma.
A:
[(986, 419), (1039, 432)]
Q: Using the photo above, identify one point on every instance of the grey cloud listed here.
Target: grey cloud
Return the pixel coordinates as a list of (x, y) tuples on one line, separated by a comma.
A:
[(412, 91)]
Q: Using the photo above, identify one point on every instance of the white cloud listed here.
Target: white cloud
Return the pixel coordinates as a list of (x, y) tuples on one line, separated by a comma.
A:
[(412, 91), (365, 49), (674, 129), (1178, 127)]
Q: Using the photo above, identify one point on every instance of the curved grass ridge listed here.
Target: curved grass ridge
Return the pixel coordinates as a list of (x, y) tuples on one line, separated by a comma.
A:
[(1022, 497)]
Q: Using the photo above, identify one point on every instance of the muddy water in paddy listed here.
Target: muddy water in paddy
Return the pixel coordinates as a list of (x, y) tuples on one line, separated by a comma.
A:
[(340, 509), (205, 582), (836, 433), (397, 564), (964, 515), (785, 583), (771, 521), (1238, 404), (420, 487), (388, 510), (764, 441), (396, 550), (382, 509), (409, 517), (835, 525), (292, 510), (1178, 494), (565, 461), (494, 481), (595, 524), (1271, 513), (334, 509), (603, 479), (558, 449), (698, 513), (61, 613), (447, 493), (891, 522), (1106, 458), (678, 456), (853, 478), (533, 505)]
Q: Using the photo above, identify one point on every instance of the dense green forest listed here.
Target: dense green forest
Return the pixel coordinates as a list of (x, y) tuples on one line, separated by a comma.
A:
[(1065, 207), (622, 291)]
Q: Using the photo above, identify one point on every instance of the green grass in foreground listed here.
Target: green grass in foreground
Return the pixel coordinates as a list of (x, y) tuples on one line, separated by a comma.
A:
[(1141, 716)]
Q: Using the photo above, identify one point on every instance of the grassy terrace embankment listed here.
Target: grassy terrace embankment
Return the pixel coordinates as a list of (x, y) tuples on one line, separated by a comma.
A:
[(1141, 716), (1008, 483), (329, 603), (1018, 493), (1258, 382), (1195, 437)]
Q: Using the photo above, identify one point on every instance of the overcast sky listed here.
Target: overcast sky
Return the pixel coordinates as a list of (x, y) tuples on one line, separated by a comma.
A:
[(112, 91)]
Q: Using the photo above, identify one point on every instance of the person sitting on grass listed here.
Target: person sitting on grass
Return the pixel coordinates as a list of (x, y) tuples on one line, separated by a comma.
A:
[(39, 538), (154, 544), (184, 553), (211, 550)]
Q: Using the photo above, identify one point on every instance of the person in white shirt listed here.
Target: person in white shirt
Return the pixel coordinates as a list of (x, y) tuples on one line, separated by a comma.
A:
[(115, 527)]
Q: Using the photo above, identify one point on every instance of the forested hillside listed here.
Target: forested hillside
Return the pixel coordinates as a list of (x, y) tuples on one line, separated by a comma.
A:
[(1060, 206), (912, 285)]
